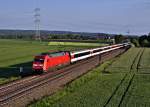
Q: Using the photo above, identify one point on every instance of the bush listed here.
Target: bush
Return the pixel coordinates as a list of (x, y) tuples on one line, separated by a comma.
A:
[(135, 42)]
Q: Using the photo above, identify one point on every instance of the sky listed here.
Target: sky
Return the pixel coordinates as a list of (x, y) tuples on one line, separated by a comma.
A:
[(105, 16)]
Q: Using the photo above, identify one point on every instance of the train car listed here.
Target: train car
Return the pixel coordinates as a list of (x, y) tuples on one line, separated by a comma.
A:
[(77, 56)]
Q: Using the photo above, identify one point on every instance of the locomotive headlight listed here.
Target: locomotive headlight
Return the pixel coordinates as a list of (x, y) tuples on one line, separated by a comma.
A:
[(40, 64), (37, 65)]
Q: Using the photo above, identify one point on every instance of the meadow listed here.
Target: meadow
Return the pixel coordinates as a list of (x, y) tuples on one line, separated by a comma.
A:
[(124, 85), (19, 53), (75, 44)]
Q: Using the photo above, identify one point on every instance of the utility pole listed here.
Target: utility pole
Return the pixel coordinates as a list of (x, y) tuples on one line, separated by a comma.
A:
[(37, 24), (128, 32)]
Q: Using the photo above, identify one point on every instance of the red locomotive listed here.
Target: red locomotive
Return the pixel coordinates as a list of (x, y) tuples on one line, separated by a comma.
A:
[(48, 61)]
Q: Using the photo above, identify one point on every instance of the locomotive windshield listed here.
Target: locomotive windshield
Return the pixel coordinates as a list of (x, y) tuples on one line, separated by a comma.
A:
[(55, 54), (46, 53), (39, 60)]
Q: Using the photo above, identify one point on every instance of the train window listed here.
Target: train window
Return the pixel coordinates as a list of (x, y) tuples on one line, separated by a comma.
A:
[(97, 50), (57, 54), (46, 53), (81, 54), (107, 48), (39, 60)]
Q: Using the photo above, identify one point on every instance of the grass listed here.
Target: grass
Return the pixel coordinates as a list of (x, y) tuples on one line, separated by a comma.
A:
[(119, 92), (121, 87), (91, 93), (75, 44), (146, 59), (124, 63), (138, 94), (15, 54), (145, 63)]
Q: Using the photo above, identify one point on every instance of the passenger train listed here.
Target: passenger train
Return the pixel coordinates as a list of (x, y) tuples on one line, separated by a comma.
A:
[(48, 61)]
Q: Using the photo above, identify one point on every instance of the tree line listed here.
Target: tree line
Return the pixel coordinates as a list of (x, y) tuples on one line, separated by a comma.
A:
[(48, 37), (138, 41), (142, 41)]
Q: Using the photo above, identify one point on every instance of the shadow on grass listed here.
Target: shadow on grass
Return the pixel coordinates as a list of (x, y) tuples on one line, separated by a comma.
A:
[(14, 70)]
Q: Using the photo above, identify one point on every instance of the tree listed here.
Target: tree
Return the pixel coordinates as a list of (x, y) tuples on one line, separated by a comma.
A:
[(145, 43), (135, 42), (148, 37), (119, 38), (143, 40)]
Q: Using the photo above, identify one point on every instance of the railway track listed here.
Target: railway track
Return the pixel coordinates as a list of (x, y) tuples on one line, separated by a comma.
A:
[(33, 88), (8, 88), (5, 88)]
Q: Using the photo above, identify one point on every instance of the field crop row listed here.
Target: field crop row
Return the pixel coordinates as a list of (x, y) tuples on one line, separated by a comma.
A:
[(146, 59), (124, 63), (138, 94)]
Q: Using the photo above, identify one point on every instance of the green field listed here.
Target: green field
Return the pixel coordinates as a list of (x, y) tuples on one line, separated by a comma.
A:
[(124, 85), (15, 54), (75, 44)]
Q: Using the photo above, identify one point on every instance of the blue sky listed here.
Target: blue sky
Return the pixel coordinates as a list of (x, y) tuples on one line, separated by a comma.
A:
[(108, 16)]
